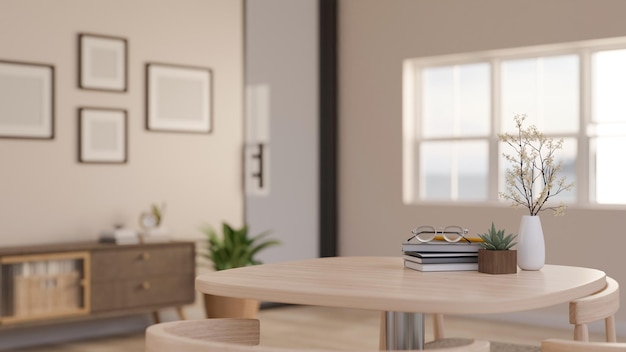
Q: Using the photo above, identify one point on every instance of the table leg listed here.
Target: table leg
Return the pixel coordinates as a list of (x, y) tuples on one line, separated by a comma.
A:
[(404, 331)]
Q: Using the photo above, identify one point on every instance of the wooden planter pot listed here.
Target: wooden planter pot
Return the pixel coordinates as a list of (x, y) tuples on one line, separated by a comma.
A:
[(229, 307), (497, 262)]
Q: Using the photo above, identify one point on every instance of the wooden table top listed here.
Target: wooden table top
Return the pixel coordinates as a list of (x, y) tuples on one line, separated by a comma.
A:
[(382, 283)]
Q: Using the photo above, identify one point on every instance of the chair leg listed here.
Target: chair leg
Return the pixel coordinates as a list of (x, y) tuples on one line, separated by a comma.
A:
[(181, 313), (382, 340), (155, 316), (581, 332), (610, 329), (438, 326)]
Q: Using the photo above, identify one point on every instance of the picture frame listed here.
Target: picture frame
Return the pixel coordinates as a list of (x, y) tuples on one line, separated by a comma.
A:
[(103, 62), (26, 100), (179, 98), (102, 135)]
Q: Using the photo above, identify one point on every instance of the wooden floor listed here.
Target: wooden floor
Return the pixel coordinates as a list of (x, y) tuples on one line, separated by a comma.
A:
[(310, 327)]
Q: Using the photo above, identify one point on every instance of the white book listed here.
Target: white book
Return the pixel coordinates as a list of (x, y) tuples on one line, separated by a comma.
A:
[(442, 247), (441, 267), (441, 260)]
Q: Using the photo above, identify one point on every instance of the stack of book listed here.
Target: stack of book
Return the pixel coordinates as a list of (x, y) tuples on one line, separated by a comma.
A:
[(439, 255), (119, 235)]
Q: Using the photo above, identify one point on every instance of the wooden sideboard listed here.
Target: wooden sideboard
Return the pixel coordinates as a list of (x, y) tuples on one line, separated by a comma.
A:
[(63, 282)]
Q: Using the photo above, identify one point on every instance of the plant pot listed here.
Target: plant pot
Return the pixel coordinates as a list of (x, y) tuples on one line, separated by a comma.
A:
[(497, 262), (229, 307)]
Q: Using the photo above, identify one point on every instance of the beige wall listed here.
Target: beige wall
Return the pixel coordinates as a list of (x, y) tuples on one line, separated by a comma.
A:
[(47, 196), (375, 36)]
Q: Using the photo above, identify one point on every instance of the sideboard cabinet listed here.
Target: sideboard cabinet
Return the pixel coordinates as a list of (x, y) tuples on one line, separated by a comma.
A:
[(73, 281)]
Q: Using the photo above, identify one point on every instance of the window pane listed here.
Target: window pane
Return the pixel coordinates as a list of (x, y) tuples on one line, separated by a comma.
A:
[(438, 101), (610, 169), (546, 89), (474, 100), (608, 86), (561, 94), (436, 170), (454, 170), (456, 100), (473, 160)]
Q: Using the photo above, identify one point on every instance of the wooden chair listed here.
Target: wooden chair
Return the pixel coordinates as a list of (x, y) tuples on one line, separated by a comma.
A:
[(194, 335), (235, 335), (601, 305), (557, 345)]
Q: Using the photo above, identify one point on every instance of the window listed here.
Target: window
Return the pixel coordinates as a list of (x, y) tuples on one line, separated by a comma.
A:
[(607, 128), (455, 107)]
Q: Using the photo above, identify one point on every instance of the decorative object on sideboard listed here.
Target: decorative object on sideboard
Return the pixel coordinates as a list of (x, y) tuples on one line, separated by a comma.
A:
[(496, 256), (233, 249), (178, 98), (102, 136), (151, 223), (103, 62), (531, 181), (119, 235), (27, 100)]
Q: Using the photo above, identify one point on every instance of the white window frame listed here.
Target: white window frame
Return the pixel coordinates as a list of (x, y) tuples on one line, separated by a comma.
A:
[(411, 106)]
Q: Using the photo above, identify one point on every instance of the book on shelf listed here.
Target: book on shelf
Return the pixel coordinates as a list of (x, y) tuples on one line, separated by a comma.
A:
[(439, 260), (441, 267), (441, 246)]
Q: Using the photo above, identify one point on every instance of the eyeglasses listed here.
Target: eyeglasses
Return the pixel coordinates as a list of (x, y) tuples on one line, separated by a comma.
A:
[(449, 233)]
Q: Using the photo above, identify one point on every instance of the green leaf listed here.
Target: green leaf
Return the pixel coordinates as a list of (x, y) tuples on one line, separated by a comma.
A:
[(234, 248), (496, 239)]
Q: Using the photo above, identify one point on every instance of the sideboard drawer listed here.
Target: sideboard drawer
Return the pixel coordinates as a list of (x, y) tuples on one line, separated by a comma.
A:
[(130, 263), (142, 292)]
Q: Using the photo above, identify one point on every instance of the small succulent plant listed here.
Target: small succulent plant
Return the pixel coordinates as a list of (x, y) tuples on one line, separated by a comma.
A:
[(496, 240)]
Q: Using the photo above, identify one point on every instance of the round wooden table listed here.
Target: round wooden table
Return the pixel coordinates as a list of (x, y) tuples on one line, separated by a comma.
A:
[(383, 284)]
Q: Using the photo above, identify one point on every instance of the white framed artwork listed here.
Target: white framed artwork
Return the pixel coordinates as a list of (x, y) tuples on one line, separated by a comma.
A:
[(102, 62), (102, 135), (26, 100), (179, 98)]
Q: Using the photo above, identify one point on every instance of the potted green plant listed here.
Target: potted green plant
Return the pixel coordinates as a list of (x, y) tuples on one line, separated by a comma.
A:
[(496, 255), (233, 249)]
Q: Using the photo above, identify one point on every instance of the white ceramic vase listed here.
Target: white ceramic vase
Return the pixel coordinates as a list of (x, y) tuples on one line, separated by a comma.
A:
[(531, 248)]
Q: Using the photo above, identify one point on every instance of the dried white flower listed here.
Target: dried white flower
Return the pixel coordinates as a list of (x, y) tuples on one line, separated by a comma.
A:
[(532, 178)]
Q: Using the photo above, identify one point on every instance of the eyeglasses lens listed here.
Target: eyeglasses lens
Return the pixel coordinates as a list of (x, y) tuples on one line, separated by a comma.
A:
[(453, 233), (424, 233)]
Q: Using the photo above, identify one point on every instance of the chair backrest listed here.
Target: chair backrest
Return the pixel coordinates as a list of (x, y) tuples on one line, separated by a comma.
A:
[(235, 335), (557, 345), (601, 305)]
